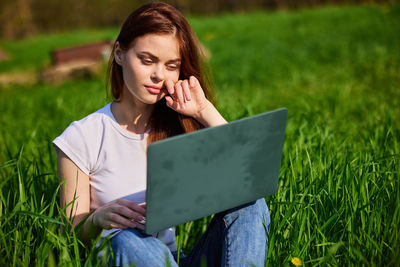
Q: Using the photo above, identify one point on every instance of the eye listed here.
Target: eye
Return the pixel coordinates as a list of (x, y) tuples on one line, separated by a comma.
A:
[(173, 67), (145, 60)]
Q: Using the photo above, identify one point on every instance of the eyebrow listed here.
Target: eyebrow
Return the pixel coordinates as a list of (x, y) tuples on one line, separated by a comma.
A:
[(176, 60)]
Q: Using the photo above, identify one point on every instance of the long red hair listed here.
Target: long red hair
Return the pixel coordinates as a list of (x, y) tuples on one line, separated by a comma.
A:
[(162, 18)]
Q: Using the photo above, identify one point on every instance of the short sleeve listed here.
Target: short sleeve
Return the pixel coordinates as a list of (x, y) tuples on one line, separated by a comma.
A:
[(80, 143)]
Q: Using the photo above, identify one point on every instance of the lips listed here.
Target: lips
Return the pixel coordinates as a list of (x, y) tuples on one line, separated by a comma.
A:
[(153, 89)]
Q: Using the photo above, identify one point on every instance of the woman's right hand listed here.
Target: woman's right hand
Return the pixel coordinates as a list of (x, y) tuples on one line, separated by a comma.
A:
[(121, 213)]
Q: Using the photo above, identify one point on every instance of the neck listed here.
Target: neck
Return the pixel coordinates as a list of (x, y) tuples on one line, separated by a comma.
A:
[(132, 116)]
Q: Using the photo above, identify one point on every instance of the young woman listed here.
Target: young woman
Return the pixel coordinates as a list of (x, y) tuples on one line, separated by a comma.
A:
[(159, 90)]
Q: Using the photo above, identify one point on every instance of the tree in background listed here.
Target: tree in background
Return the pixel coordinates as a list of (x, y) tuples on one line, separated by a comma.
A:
[(16, 19), (21, 18)]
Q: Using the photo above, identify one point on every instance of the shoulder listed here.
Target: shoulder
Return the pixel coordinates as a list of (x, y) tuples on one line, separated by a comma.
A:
[(82, 139), (86, 132), (92, 124)]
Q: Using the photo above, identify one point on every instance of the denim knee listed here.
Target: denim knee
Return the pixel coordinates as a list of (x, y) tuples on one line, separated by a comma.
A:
[(252, 211), (263, 210), (132, 247), (246, 237)]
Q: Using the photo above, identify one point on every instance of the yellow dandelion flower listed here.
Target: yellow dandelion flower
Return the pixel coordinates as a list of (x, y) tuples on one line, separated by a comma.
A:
[(296, 261)]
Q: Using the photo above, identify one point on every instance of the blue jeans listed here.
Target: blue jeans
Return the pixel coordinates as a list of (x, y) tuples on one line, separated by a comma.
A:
[(236, 237)]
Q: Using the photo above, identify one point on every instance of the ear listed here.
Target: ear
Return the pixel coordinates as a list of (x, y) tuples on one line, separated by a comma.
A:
[(118, 53)]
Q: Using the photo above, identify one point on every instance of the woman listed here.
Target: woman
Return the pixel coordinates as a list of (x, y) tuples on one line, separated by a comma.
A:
[(159, 91)]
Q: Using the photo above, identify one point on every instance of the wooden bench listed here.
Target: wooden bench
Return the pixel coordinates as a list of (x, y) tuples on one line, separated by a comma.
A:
[(87, 52), (83, 61)]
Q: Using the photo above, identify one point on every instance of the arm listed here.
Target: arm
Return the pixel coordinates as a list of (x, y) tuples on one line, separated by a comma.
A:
[(210, 116), (120, 213), (187, 97), (75, 183)]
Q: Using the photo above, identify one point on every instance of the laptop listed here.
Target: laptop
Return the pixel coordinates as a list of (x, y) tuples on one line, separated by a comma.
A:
[(194, 175)]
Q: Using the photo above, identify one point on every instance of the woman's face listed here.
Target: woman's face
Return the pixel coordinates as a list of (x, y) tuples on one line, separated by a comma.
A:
[(147, 64)]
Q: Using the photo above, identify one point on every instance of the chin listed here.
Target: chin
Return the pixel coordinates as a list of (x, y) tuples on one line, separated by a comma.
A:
[(153, 99)]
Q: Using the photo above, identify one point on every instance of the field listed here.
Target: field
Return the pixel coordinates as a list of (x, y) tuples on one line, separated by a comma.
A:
[(336, 69)]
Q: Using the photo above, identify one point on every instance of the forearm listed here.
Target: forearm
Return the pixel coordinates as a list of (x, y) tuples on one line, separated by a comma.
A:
[(88, 230), (210, 116)]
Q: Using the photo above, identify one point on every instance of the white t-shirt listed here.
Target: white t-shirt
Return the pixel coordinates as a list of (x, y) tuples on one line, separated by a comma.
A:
[(113, 158)]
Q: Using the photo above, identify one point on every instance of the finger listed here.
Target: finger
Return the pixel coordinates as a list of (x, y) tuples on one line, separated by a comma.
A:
[(169, 100), (193, 81), (114, 225), (164, 90), (143, 205), (171, 103), (140, 226), (128, 213), (170, 86), (186, 90), (132, 205), (179, 94), (118, 221)]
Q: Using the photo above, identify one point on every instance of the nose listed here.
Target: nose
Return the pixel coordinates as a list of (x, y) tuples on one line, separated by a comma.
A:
[(158, 74)]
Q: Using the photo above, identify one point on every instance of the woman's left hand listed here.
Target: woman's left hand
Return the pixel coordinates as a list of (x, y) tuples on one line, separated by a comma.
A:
[(186, 97)]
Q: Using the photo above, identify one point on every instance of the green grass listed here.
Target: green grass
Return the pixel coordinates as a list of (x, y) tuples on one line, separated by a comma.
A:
[(337, 70), (34, 53)]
